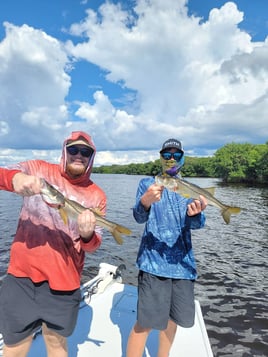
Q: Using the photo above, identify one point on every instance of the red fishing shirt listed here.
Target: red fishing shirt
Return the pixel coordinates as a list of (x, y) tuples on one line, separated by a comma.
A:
[(44, 247)]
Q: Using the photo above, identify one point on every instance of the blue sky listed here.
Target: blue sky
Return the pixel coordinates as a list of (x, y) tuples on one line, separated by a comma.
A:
[(132, 74)]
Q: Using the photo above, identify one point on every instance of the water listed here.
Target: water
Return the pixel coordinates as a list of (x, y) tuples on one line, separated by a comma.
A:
[(232, 259)]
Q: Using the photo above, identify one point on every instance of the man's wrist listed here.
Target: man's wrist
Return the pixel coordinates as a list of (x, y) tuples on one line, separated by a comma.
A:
[(145, 204), (87, 239)]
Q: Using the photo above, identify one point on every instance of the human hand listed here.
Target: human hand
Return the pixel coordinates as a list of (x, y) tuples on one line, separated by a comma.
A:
[(86, 224), (26, 185), (153, 194), (197, 206)]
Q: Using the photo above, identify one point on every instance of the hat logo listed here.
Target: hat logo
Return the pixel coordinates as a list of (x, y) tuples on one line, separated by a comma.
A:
[(169, 143)]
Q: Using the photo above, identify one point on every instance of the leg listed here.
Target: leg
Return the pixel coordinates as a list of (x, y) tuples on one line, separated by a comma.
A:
[(17, 318), (56, 344), (19, 349), (166, 338), (137, 340)]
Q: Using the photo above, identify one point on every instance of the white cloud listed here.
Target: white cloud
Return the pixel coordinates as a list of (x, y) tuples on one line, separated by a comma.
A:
[(205, 82), (10, 157), (116, 124), (125, 157), (178, 65), (34, 83)]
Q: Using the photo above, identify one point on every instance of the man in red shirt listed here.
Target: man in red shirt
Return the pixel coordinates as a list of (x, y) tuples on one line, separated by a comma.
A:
[(47, 255)]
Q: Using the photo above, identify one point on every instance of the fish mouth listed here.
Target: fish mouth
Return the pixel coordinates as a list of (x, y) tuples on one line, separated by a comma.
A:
[(54, 205), (51, 196), (52, 202)]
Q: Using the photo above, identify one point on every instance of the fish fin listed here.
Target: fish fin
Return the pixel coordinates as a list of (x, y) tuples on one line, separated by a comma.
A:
[(226, 213), (63, 215), (116, 232), (186, 195), (211, 190)]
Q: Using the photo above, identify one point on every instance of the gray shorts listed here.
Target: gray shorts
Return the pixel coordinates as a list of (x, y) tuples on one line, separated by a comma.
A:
[(161, 299), (24, 306)]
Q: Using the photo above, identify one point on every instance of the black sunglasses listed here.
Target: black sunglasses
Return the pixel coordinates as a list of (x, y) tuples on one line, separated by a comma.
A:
[(168, 155), (74, 150)]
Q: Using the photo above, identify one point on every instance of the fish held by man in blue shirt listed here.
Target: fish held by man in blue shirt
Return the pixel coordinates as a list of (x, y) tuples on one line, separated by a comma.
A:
[(190, 190)]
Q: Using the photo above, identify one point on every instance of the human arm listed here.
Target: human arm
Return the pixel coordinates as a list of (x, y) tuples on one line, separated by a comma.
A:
[(153, 194), (195, 215), (26, 185), (196, 206), (147, 194), (90, 234), (6, 176), (90, 240), (86, 225), (19, 182)]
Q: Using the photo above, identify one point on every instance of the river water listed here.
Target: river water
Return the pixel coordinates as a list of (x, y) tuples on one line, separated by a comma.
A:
[(232, 260)]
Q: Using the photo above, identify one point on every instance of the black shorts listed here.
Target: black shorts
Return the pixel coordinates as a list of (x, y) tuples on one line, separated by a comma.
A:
[(25, 305), (161, 299)]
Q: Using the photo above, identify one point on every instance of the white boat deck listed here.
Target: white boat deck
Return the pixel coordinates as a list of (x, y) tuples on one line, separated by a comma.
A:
[(105, 322), (104, 325)]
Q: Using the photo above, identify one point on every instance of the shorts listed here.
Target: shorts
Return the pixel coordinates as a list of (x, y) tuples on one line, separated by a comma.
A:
[(25, 305), (161, 299)]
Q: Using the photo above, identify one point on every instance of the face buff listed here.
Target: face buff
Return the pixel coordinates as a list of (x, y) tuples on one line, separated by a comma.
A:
[(171, 167)]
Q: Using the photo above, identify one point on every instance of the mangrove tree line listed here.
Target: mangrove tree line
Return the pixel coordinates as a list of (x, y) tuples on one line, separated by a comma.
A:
[(243, 163)]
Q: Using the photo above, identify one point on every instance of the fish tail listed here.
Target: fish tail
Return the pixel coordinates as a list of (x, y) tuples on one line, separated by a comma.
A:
[(118, 230), (227, 211), (123, 230), (117, 236)]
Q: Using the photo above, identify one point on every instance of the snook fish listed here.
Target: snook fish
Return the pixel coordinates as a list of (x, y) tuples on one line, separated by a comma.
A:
[(187, 189), (70, 209)]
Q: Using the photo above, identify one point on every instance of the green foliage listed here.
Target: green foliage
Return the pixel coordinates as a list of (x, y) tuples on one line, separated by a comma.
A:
[(232, 163), (198, 167), (262, 164), (241, 163)]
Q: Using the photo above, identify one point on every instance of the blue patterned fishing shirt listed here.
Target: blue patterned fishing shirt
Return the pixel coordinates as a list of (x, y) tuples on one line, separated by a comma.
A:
[(166, 246)]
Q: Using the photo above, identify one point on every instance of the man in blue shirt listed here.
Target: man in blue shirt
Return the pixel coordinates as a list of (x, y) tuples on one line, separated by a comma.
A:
[(167, 268)]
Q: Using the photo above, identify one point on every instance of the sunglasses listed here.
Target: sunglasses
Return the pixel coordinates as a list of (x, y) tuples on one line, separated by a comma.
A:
[(74, 150), (168, 155)]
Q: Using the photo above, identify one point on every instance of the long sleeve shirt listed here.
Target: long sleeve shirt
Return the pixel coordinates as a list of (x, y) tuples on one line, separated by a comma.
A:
[(44, 247), (166, 246)]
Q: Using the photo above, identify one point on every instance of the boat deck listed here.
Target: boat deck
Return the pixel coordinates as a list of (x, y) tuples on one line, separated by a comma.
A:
[(104, 324)]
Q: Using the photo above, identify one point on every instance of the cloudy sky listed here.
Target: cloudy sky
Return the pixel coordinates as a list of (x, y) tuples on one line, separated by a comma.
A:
[(132, 74)]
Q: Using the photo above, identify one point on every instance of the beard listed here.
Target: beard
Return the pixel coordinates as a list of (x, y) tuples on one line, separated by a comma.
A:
[(75, 171)]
